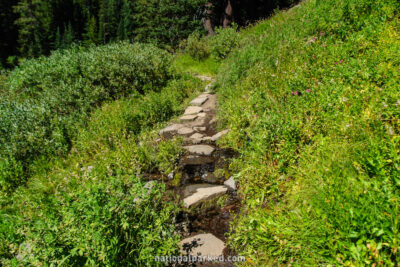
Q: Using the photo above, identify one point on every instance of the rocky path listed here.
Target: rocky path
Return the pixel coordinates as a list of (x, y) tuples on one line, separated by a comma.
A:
[(203, 181)]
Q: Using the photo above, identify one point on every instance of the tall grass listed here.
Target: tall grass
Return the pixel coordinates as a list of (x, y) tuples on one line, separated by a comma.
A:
[(312, 98)]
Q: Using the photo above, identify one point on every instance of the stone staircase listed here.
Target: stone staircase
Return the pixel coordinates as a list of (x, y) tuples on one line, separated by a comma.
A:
[(202, 179)]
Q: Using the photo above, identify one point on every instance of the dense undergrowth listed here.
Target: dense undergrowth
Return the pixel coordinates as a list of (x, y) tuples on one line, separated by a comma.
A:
[(313, 100), (92, 208), (47, 99), (89, 205)]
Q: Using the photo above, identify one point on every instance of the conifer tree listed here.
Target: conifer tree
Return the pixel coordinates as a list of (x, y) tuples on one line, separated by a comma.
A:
[(91, 34)]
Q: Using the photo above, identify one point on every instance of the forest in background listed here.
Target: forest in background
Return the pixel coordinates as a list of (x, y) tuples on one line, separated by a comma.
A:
[(30, 28)]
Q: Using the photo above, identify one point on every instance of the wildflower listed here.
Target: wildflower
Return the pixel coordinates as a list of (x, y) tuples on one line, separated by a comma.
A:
[(255, 116), (321, 33), (308, 90), (341, 61), (295, 93)]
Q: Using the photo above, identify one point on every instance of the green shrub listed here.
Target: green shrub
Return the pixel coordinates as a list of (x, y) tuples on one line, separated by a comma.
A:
[(108, 220), (48, 98), (224, 42), (197, 47)]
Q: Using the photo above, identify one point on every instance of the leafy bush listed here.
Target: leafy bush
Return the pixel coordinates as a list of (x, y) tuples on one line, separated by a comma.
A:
[(47, 98), (224, 42), (197, 47), (312, 99)]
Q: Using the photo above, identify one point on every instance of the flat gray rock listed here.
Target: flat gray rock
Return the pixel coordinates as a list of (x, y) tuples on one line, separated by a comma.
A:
[(203, 245), (193, 110), (200, 129), (187, 118), (186, 131), (199, 122), (217, 136), (196, 136), (199, 101), (198, 193), (231, 183), (170, 130), (201, 150)]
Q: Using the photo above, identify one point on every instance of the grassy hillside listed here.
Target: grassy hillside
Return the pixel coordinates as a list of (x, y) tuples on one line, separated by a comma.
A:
[(313, 100)]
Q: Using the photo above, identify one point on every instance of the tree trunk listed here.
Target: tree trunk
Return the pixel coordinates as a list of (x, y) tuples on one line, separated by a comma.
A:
[(208, 22), (228, 14)]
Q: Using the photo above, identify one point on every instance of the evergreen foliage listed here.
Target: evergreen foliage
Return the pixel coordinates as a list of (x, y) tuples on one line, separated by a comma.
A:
[(31, 28)]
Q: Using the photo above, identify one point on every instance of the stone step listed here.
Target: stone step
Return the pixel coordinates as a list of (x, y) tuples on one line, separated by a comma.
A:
[(170, 130), (187, 118), (201, 150), (231, 183), (202, 245), (192, 110), (217, 136), (199, 101), (196, 136), (197, 194), (185, 131)]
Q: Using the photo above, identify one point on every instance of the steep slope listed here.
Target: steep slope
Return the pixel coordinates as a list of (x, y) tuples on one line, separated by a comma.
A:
[(312, 97)]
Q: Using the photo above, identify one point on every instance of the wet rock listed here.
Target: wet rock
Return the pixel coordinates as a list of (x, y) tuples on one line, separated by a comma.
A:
[(203, 245), (196, 194), (201, 150), (231, 183), (209, 177), (199, 101), (187, 118), (186, 131), (193, 110), (217, 136), (170, 130), (196, 160)]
